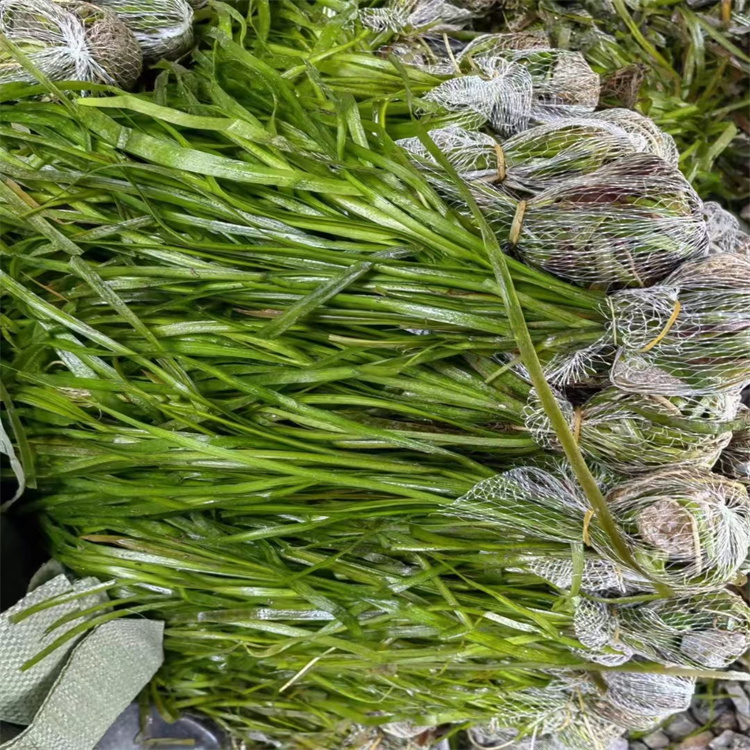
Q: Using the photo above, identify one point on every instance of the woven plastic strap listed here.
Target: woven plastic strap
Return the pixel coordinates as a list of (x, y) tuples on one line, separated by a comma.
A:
[(84, 696)]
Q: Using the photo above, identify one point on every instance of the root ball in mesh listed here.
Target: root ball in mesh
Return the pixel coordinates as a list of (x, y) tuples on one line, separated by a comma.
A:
[(688, 527), (163, 28), (70, 40)]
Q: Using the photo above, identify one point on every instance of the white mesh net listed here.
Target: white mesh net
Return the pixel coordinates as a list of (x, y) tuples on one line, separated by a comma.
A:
[(68, 41), (688, 528), (735, 460), (502, 101), (510, 88), (163, 28), (424, 52), (724, 231), (599, 575), (689, 336), (628, 224), (403, 729), (586, 366), (563, 83), (530, 161), (585, 716), (644, 130), (633, 433), (416, 16), (640, 701)]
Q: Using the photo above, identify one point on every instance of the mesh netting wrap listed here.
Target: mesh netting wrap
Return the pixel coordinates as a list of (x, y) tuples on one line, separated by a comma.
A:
[(424, 52), (689, 336), (631, 433), (530, 161), (689, 528), (416, 16), (596, 629), (532, 712), (438, 53), (403, 729), (645, 131), (639, 701), (628, 224), (564, 84), (709, 631), (579, 714), (373, 738), (526, 502), (502, 101), (509, 89), (589, 732), (163, 28), (599, 575), (68, 41), (588, 365), (724, 231)]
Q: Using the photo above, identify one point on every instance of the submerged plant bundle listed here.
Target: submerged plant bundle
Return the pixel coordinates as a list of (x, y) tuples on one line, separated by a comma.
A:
[(163, 28), (68, 40)]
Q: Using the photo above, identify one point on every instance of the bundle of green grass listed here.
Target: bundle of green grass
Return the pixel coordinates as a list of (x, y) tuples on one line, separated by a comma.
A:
[(292, 388)]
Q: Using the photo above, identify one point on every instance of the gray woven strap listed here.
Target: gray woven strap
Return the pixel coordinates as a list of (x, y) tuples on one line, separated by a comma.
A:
[(70, 703)]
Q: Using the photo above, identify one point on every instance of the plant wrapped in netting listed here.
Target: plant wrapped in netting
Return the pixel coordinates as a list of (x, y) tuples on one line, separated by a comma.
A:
[(68, 41), (644, 129), (632, 433), (688, 529), (639, 701), (710, 630), (163, 28), (408, 17), (510, 89), (629, 224), (438, 53), (597, 575), (724, 231), (564, 85), (530, 161), (690, 335), (502, 101), (588, 715)]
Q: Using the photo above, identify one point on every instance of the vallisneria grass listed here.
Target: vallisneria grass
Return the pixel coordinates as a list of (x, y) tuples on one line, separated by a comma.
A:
[(253, 363)]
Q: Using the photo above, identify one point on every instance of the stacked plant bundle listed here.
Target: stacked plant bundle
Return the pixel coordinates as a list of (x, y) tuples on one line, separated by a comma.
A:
[(104, 42), (683, 64), (268, 380)]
